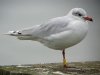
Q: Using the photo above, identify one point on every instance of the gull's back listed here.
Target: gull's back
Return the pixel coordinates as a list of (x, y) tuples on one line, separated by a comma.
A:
[(53, 26)]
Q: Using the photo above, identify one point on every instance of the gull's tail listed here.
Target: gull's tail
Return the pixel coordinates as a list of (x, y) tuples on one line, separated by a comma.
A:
[(24, 34), (13, 33)]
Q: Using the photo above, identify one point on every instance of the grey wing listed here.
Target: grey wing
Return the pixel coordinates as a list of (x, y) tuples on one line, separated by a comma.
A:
[(53, 26)]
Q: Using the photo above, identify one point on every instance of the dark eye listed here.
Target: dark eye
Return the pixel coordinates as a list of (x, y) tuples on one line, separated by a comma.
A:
[(79, 14)]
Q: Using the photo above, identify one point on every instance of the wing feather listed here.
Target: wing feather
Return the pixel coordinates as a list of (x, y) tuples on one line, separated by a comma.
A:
[(53, 26)]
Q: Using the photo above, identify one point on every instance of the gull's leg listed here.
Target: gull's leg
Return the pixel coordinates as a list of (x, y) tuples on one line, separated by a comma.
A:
[(64, 59)]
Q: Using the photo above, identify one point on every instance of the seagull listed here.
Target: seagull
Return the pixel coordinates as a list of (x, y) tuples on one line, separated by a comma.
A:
[(58, 33)]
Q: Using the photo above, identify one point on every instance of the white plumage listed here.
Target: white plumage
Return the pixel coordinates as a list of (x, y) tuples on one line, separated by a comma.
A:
[(58, 33)]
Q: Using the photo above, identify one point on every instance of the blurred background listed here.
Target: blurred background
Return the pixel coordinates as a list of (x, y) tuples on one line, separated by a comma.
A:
[(19, 14)]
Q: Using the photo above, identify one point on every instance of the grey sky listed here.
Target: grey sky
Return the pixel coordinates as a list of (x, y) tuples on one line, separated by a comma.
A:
[(18, 14)]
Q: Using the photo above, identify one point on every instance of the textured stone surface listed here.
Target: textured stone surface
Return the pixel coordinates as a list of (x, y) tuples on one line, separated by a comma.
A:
[(74, 68)]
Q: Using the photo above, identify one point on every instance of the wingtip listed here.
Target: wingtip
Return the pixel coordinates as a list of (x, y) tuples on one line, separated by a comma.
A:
[(9, 33)]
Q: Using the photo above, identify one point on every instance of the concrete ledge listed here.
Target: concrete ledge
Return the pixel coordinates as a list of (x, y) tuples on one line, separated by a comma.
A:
[(74, 68)]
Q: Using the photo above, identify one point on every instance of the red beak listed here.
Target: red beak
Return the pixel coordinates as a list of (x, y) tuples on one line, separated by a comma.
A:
[(88, 18)]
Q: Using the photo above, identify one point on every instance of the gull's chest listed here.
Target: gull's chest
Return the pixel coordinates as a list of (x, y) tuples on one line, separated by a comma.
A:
[(79, 29), (78, 32)]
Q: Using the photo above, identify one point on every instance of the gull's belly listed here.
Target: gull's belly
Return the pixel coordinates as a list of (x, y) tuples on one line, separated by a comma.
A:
[(65, 39)]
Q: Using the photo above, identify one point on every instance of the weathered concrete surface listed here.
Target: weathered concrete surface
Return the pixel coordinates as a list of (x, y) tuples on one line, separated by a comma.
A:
[(74, 68)]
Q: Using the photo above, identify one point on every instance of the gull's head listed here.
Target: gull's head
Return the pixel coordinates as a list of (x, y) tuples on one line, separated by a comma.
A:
[(80, 13)]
